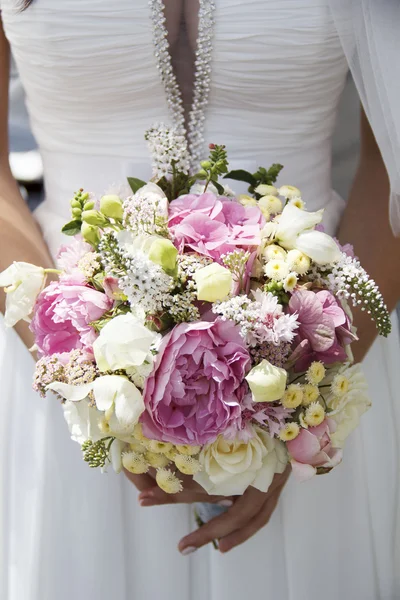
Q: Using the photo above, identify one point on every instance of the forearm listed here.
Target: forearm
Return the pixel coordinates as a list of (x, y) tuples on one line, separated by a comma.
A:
[(20, 237), (365, 224)]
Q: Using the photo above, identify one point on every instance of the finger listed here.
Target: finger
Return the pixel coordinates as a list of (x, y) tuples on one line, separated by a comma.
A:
[(258, 522), (141, 482), (155, 496), (236, 517)]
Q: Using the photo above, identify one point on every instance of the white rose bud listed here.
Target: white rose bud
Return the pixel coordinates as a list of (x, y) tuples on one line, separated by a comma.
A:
[(213, 282), (267, 382)]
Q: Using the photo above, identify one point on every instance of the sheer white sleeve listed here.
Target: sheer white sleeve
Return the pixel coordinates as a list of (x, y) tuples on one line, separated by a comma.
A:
[(370, 34)]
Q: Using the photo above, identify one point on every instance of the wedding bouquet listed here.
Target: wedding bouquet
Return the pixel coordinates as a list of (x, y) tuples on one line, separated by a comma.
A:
[(194, 331)]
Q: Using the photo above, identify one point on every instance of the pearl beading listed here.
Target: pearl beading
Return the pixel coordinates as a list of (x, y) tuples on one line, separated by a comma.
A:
[(202, 78)]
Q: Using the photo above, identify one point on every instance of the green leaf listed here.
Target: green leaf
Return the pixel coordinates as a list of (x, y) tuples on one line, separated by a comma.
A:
[(135, 184), (273, 173), (219, 187), (240, 175), (72, 228)]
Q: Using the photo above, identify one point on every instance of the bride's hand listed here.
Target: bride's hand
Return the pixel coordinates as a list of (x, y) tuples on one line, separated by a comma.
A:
[(247, 514)]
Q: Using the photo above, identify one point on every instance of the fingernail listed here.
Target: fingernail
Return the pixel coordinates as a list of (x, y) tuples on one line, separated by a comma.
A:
[(188, 550), (225, 503)]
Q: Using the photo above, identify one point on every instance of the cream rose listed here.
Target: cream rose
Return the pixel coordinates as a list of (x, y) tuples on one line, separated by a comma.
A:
[(229, 467), (267, 382), (347, 409)]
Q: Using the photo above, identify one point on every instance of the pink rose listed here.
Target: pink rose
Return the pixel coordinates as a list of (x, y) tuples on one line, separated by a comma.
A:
[(312, 450), (323, 327), (196, 388), (213, 226), (62, 317)]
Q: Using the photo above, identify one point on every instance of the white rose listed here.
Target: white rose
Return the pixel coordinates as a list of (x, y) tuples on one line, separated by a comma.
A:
[(267, 382), (123, 343), (23, 283), (117, 399), (319, 246), (231, 466), (347, 409)]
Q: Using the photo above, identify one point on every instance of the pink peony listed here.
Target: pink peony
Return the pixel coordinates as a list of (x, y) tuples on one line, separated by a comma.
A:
[(213, 226), (323, 328), (196, 388), (312, 450), (62, 317)]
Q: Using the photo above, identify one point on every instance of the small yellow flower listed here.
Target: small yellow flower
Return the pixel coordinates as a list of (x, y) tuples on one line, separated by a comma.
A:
[(171, 453), (289, 191), (246, 200), (302, 421), (293, 396), (187, 464), (297, 201), (274, 252), (135, 463), (315, 414), (298, 262), (138, 432), (276, 270), (315, 373), (189, 450), (158, 461), (137, 447), (290, 282), (289, 432), (266, 190), (311, 394), (271, 204), (168, 481), (340, 386), (159, 447)]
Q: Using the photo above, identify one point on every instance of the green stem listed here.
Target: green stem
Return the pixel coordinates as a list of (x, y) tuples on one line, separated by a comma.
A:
[(56, 271)]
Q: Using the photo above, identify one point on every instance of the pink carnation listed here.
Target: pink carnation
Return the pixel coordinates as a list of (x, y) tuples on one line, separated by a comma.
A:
[(323, 328), (214, 226), (69, 255), (196, 388), (312, 450), (62, 317)]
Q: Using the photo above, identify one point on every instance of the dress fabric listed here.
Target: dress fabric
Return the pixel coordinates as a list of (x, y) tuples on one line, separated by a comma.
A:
[(90, 74)]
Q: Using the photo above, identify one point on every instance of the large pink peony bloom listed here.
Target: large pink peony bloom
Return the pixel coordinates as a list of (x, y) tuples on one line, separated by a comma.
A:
[(324, 328), (196, 388), (62, 317), (213, 226), (312, 450)]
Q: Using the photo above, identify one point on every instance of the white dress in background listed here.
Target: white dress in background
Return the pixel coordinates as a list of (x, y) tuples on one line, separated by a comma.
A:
[(93, 87)]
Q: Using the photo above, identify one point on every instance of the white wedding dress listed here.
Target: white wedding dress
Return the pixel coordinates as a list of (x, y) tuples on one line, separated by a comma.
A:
[(93, 86)]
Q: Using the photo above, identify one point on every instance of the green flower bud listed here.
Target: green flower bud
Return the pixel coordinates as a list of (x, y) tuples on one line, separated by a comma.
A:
[(205, 164), (202, 173), (76, 212), (111, 206), (94, 217), (90, 234), (85, 197), (75, 203), (162, 252), (88, 205)]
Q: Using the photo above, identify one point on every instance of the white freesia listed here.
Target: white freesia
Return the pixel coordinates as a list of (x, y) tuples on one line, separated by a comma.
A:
[(347, 409), (123, 343), (83, 421), (229, 467), (23, 283), (294, 221), (319, 246), (118, 400)]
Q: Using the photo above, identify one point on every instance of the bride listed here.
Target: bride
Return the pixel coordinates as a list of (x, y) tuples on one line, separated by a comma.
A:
[(263, 77)]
